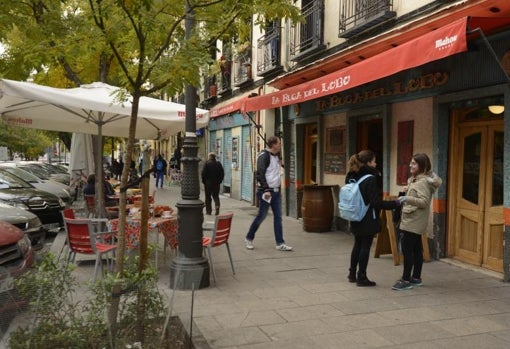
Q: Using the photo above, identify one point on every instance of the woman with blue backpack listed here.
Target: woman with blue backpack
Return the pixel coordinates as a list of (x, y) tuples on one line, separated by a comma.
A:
[(363, 166)]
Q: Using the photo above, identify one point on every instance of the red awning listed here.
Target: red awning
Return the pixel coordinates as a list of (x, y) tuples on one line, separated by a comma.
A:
[(437, 44), (227, 109), (440, 43)]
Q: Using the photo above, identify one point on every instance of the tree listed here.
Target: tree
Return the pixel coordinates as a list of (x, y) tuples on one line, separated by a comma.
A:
[(137, 45), (29, 143)]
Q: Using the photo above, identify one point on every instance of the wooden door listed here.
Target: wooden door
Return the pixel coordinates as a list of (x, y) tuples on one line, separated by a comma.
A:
[(478, 195)]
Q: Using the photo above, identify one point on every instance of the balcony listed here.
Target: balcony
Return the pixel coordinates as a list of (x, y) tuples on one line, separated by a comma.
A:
[(242, 68), (268, 52), (356, 16), (307, 37), (210, 87)]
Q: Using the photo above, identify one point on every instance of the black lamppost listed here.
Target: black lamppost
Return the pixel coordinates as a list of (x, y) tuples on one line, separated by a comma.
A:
[(189, 269)]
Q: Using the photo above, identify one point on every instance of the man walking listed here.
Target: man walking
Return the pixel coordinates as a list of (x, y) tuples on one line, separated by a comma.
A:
[(160, 170), (269, 193), (212, 176)]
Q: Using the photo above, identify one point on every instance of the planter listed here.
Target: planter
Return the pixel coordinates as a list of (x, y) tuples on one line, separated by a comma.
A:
[(213, 90)]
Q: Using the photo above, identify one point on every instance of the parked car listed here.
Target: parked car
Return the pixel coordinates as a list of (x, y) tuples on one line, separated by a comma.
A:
[(16, 257), (26, 221), (18, 193), (48, 171), (59, 189)]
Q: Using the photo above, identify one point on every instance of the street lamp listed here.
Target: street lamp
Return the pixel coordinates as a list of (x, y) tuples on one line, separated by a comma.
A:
[(190, 269)]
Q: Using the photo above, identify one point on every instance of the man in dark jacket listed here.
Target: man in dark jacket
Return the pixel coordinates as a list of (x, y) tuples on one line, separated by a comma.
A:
[(159, 170), (212, 176)]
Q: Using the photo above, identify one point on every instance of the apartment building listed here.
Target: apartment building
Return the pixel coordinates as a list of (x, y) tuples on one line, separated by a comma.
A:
[(398, 77)]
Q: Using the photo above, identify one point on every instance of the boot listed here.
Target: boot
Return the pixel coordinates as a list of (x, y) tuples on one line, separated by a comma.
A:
[(217, 211), (352, 275), (363, 281)]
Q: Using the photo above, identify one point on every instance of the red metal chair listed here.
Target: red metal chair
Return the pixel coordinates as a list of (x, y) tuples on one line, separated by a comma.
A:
[(81, 238), (220, 235), (68, 213), (110, 211)]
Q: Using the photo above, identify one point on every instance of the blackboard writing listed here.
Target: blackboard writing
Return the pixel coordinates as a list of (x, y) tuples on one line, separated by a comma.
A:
[(334, 163)]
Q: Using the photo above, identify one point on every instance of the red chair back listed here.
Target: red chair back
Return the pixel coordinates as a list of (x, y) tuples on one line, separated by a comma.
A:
[(78, 236), (222, 228), (90, 201), (68, 213)]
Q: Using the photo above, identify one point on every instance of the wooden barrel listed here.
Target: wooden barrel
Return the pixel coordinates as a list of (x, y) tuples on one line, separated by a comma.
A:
[(317, 208)]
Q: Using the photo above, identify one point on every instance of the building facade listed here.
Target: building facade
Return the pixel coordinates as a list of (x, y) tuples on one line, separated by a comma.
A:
[(392, 76)]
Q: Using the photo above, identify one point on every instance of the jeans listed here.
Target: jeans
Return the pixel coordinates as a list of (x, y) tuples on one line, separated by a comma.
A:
[(160, 178), (412, 249), (276, 207)]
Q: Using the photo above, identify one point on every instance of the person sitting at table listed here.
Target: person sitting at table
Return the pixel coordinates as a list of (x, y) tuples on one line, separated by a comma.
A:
[(110, 198)]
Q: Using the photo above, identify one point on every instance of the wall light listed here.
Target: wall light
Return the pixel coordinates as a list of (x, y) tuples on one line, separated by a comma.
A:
[(496, 109)]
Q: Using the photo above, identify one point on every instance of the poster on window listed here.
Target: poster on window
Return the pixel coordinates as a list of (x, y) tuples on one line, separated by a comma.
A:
[(405, 135)]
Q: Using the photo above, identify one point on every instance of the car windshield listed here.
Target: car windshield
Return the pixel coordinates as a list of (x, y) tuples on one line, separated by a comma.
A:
[(36, 170), (24, 175), (10, 181), (59, 168), (50, 168)]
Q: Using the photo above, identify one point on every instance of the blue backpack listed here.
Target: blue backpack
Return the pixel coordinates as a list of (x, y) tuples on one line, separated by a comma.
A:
[(159, 165), (350, 201)]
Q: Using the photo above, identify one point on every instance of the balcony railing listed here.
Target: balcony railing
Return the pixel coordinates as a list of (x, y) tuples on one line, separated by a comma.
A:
[(268, 51), (356, 16), (307, 37)]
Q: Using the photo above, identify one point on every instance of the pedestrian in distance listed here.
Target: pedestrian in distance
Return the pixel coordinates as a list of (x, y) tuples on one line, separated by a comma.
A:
[(269, 193), (361, 164), (212, 176), (414, 218), (120, 169), (159, 168)]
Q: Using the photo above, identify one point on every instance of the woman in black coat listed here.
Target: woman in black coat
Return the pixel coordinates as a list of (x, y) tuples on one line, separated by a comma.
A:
[(364, 231)]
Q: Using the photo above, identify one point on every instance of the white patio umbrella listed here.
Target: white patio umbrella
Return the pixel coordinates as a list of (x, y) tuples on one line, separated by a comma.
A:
[(90, 109), (81, 162)]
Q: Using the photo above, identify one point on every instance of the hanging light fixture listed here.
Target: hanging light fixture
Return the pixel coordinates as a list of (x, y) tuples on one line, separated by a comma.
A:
[(496, 109)]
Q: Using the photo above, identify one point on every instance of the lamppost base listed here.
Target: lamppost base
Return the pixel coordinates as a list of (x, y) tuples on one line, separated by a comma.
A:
[(189, 273)]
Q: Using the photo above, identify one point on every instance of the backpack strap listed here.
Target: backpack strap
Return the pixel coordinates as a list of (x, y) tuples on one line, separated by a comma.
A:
[(364, 177), (359, 182)]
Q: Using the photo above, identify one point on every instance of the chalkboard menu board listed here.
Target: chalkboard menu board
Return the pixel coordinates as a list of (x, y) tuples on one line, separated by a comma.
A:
[(334, 163)]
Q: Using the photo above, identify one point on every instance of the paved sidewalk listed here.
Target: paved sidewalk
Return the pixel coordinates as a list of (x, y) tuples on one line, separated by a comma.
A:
[(302, 299)]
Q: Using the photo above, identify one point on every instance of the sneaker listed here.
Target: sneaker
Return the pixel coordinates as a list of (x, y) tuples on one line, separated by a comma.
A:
[(283, 247), (402, 285), (249, 244), (416, 282)]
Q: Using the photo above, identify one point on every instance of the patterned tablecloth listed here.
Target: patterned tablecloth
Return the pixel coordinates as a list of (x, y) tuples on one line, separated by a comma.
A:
[(168, 227)]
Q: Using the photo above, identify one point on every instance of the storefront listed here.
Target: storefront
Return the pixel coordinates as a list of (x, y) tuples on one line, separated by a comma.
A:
[(230, 137)]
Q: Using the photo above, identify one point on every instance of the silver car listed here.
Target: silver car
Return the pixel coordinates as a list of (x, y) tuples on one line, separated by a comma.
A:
[(26, 221), (56, 188)]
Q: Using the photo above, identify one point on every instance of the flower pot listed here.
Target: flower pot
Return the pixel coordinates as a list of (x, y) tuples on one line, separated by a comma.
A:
[(213, 89)]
